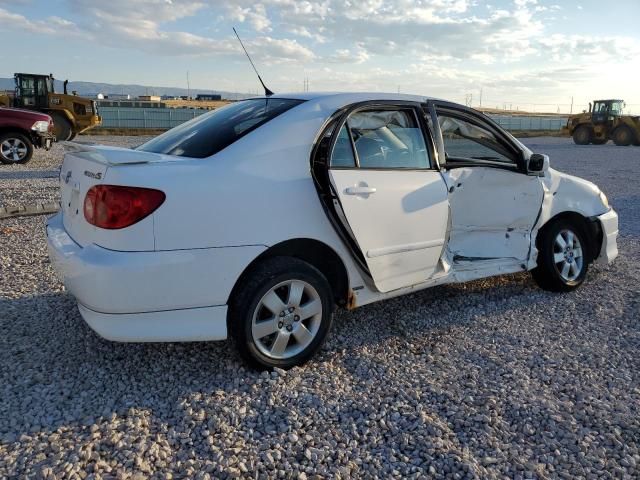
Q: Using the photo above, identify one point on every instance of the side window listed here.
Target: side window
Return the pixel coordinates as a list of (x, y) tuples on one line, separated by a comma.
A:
[(466, 140), (342, 155), (388, 139)]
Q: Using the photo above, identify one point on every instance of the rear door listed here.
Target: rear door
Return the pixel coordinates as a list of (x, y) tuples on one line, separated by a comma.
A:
[(392, 196)]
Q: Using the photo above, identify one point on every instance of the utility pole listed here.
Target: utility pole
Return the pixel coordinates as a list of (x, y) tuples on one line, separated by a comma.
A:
[(480, 97), (188, 87), (571, 111)]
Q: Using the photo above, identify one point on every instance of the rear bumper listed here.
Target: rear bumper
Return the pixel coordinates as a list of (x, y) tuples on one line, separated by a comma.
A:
[(609, 248), (175, 295), (186, 325)]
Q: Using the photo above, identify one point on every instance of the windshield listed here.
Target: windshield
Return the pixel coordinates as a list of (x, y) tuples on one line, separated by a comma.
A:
[(209, 133)]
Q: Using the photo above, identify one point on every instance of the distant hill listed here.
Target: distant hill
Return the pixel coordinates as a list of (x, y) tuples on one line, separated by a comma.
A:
[(91, 89)]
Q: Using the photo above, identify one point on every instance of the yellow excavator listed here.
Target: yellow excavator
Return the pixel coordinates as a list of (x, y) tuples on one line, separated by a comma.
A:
[(71, 113)]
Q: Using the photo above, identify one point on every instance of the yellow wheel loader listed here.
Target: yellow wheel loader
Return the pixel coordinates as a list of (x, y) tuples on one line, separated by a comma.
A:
[(71, 114), (603, 122)]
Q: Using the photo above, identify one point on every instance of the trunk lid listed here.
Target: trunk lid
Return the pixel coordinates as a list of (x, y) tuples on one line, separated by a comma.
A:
[(85, 166)]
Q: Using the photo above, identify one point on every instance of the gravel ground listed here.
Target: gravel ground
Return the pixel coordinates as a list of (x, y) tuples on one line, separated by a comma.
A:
[(490, 379)]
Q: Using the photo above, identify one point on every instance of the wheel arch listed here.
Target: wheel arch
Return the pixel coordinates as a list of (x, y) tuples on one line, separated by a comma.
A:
[(63, 112), (312, 251), (590, 226), (582, 124)]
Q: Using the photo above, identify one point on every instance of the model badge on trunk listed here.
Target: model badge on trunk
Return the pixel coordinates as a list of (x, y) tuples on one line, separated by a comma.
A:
[(96, 176)]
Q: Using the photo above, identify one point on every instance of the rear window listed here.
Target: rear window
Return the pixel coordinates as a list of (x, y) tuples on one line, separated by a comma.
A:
[(209, 133)]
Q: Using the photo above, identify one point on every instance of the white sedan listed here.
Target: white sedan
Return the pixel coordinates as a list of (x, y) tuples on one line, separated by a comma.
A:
[(255, 220)]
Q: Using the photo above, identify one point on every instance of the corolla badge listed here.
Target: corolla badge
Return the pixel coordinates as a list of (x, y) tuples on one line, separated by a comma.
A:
[(96, 176)]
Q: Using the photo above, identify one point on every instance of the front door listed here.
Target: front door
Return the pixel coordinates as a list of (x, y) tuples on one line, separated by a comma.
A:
[(494, 203), (393, 199)]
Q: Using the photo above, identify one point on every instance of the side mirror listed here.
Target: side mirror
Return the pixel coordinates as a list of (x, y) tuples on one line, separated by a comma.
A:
[(538, 164)]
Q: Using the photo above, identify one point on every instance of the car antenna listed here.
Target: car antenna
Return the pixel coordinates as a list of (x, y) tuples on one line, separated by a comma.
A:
[(267, 92)]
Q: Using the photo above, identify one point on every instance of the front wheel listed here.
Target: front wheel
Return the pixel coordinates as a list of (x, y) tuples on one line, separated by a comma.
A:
[(15, 148), (623, 137), (281, 314), (582, 135), (562, 256)]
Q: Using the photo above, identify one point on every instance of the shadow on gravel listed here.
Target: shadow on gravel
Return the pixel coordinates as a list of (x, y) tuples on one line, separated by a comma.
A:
[(28, 174), (55, 371)]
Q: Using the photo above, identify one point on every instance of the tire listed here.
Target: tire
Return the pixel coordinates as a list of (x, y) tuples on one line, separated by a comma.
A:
[(15, 148), (61, 127), (623, 136), (582, 135), (282, 338), (72, 136), (561, 269)]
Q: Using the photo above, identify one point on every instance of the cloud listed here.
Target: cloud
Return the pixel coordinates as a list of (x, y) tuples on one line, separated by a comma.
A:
[(562, 48), (344, 55), (422, 45), (49, 26)]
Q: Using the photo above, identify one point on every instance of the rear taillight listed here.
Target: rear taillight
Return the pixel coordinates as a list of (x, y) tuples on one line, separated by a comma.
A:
[(114, 206)]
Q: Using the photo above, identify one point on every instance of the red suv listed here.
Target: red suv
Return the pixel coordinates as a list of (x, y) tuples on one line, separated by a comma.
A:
[(21, 131)]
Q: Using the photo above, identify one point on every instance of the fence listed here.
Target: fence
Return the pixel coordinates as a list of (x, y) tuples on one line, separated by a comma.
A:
[(157, 118), (524, 123), (165, 118)]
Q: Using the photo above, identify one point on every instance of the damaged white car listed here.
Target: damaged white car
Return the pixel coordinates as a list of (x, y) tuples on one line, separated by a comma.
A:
[(255, 220)]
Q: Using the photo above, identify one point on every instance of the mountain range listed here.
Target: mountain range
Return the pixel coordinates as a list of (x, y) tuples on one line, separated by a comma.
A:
[(91, 89)]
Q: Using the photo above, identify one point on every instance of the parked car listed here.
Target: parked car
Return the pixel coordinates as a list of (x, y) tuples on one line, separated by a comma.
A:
[(255, 220), (21, 131)]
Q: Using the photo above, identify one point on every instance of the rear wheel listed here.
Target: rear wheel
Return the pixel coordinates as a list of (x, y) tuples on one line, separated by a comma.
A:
[(281, 315), (15, 148), (623, 136), (582, 135), (562, 256), (61, 127)]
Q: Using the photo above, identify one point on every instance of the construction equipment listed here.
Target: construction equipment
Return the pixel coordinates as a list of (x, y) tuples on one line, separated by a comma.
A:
[(71, 114), (603, 122)]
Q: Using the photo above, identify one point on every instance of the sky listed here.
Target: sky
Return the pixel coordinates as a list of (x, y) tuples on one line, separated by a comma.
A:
[(530, 54)]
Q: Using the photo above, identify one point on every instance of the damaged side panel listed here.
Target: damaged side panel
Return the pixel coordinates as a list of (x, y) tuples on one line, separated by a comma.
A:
[(493, 213)]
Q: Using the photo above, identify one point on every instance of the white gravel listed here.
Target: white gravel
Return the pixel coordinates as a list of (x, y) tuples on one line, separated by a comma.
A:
[(492, 379)]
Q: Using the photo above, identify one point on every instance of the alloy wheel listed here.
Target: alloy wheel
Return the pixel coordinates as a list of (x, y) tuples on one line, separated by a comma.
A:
[(13, 149), (567, 255), (287, 319)]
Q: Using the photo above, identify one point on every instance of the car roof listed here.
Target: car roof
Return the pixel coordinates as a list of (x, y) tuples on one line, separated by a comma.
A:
[(351, 96)]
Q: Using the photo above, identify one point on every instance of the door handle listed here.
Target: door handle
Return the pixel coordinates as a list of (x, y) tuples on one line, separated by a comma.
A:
[(360, 190)]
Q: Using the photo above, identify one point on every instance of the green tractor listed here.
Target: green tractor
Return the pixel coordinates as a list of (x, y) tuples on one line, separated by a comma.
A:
[(71, 114), (603, 122)]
